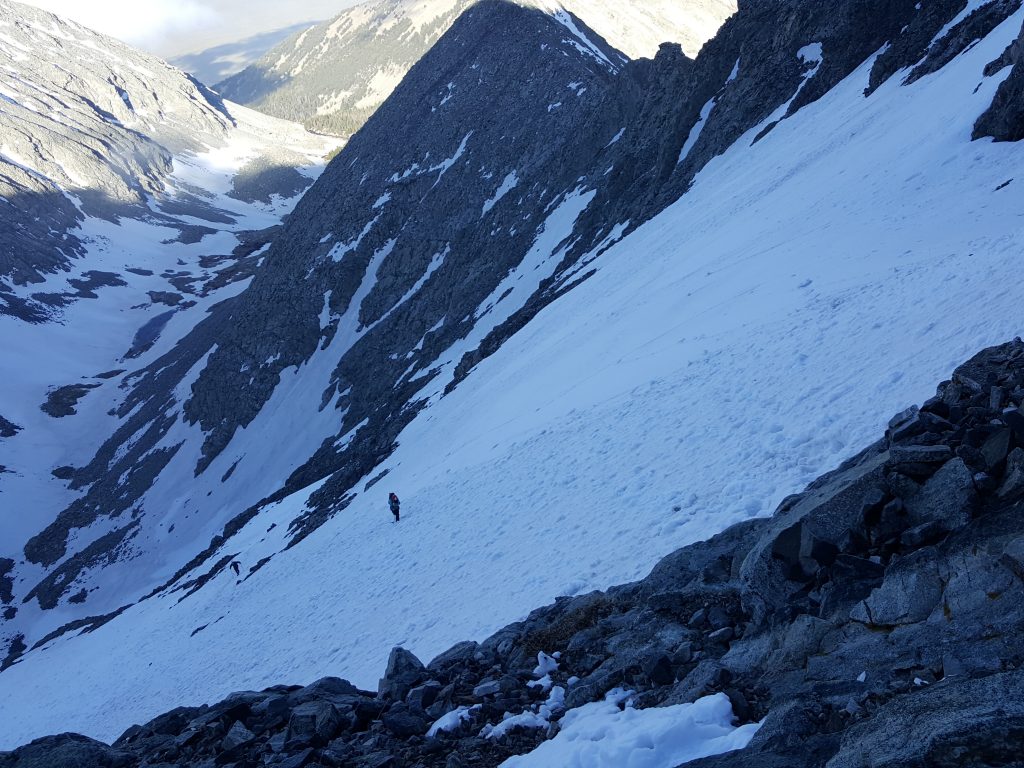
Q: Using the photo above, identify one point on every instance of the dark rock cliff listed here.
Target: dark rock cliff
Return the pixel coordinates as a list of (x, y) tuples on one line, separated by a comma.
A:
[(1004, 120), (879, 612)]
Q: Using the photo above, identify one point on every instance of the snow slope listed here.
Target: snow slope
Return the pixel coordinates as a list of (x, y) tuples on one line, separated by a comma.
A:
[(750, 337), (93, 336), (91, 341)]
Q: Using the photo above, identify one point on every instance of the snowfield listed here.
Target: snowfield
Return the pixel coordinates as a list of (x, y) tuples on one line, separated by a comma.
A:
[(752, 336), (603, 735)]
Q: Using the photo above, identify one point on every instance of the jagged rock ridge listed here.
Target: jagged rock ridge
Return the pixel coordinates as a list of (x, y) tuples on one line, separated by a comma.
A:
[(334, 76)]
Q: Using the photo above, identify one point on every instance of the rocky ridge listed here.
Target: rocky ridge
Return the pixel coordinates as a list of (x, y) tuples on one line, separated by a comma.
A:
[(1004, 120), (334, 76), (879, 612)]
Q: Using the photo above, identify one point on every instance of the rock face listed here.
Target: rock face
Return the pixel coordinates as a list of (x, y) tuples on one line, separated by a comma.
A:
[(1004, 120), (334, 76), (844, 635)]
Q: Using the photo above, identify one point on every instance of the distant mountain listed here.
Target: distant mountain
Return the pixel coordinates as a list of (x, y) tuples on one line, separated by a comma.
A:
[(215, 64), (92, 128), (132, 200), (333, 76)]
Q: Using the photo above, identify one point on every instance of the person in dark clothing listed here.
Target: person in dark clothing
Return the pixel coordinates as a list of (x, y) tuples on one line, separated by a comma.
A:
[(394, 503), (236, 567)]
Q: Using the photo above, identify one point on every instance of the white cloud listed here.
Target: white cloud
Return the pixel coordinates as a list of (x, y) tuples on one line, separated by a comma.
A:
[(144, 23), (172, 27)]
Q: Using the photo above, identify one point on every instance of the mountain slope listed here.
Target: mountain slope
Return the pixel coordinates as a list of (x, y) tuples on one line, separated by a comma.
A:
[(877, 612), (130, 508), (332, 77), (136, 202), (90, 128), (553, 433)]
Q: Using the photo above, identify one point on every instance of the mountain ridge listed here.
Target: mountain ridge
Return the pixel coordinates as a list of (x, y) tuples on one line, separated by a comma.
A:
[(96, 139), (689, 327), (335, 75), (215, 64)]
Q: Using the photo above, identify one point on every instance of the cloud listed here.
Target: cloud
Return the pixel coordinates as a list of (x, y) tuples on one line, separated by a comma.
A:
[(144, 23), (173, 27)]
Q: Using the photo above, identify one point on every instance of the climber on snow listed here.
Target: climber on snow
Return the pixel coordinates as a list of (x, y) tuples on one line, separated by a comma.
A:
[(394, 503)]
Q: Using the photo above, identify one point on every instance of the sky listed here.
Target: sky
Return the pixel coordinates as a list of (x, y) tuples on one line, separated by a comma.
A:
[(173, 27)]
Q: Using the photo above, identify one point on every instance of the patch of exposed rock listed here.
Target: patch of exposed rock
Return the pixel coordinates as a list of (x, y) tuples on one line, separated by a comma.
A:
[(8, 428), (1004, 119)]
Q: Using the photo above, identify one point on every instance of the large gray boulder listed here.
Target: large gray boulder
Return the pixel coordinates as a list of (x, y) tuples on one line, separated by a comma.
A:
[(313, 723), (911, 591), (779, 563), (403, 672), (946, 498)]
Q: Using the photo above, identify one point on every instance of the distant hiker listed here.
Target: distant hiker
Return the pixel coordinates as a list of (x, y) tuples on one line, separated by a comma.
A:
[(394, 503), (236, 567)]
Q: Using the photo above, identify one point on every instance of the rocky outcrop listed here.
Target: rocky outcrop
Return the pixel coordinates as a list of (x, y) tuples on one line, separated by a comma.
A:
[(6, 582), (68, 749), (61, 401), (1004, 120), (8, 428), (879, 612)]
